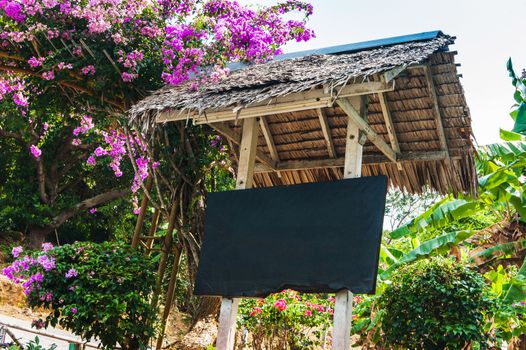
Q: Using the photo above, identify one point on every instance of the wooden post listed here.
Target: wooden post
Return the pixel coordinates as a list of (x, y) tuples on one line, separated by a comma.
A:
[(245, 171), (352, 168)]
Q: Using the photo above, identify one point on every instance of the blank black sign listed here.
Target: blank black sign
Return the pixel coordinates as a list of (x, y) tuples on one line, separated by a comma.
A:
[(319, 237)]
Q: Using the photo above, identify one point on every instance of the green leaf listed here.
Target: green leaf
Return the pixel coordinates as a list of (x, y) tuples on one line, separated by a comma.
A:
[(439, 215), (501, 249), (429, 247), (511, 72), (517, 289), (520, 118), (511, 136)]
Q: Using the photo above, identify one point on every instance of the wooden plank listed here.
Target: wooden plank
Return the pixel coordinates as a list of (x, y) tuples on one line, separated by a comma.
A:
[(339, 162), (233, 136), (265, 129), (299, 101), (393, 73), (326, 130), (438, 117), (376, 139), (247, 159)]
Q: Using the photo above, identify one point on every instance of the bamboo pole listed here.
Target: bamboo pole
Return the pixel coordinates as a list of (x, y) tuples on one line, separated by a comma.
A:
[(142, 215), (167, 248), (170, 293)]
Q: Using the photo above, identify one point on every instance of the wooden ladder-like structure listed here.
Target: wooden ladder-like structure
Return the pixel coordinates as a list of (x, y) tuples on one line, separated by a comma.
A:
[(168, 248)]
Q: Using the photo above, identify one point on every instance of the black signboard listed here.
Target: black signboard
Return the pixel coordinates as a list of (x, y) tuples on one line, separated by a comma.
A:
[(319, 237)]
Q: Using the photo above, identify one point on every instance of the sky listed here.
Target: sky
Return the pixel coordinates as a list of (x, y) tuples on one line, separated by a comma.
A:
[(488, 33)]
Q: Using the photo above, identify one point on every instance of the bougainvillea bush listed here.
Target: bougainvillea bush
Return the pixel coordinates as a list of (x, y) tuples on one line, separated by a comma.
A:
[(289, 320), (94, 290), (70, 69)]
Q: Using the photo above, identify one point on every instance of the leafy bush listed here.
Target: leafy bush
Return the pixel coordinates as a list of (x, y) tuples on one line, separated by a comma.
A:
[(94, 290), (287, 320), (434, 304)]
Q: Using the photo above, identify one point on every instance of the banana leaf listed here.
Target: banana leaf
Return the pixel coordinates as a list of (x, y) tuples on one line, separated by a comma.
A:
[(435, 245)]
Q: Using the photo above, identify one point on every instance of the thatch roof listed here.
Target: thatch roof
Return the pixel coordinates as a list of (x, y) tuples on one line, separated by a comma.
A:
[(431, 124)]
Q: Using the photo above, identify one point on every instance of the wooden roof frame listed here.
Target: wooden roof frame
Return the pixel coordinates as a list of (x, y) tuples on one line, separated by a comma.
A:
[(318, 100)]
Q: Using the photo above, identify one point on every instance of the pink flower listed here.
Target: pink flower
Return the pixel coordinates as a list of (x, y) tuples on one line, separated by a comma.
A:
[(93, 210), (91, 161), (76, 142), (16, 251), (99, 151), (281, 305), (35, 151), (71, 273), (255, 311), (49, 75), (128, 77), (36, 62), (73, 310), (330, 311), (88, 70), (308, 313), (46, 246)]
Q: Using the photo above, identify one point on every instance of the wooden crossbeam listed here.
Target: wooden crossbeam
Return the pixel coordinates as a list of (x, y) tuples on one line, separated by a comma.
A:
[(339, 162), (436, 108), (326, 130), (265, 129), (393, 73), (376, 139), (294, 102), (234, 136)]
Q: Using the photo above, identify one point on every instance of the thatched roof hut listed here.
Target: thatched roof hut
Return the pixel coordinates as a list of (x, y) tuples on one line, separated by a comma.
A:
[(416, 120)]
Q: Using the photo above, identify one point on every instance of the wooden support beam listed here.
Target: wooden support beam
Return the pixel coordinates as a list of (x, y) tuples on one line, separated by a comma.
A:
[(265, 129), (339, 162), (326, 130), (299, 101), (436, 108), (376, 139), (142, 215), (393, 139), (235, 138), (352, 168), (245, 170)]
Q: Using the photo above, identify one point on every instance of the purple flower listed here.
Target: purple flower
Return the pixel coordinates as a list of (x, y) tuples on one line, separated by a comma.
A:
[(46, 246), (73, 310), (99, 151), (49, 75), (91, 161), (35, 151), (16, 251), (93, 210), (71, 273), (36, 62)]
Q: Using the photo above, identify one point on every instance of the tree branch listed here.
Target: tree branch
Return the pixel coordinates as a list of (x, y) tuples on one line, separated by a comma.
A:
[(85, 204)]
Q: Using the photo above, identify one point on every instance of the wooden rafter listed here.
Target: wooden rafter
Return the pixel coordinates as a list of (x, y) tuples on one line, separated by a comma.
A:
[(326, 130), (376, 139), (436, 108), (389, 124), (235, 138), (265, 129), (299, 101), (339, 162)]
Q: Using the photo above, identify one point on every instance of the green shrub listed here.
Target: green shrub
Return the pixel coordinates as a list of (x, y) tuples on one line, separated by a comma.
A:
[(434, 304), (93, 290)]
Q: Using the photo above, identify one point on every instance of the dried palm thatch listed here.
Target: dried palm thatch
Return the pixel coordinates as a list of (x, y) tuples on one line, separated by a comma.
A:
[(423, 117)]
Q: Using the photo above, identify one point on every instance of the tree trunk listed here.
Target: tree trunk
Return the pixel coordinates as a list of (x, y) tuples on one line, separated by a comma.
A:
[(38, 235)]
